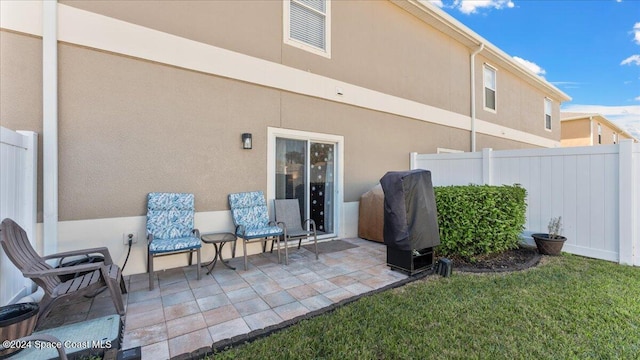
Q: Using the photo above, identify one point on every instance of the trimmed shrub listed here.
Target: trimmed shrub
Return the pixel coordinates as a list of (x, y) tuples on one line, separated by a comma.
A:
[(479, 219)]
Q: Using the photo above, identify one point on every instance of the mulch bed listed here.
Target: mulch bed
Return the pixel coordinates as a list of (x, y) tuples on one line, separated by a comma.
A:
[(511, 260)]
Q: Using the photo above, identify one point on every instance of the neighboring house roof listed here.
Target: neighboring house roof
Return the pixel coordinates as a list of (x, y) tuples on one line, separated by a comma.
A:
[(445, 23), (571, 116)]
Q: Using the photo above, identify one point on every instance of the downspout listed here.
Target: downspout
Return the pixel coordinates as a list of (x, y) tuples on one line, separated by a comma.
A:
[(50, 125), (473, 97), (590, 130)]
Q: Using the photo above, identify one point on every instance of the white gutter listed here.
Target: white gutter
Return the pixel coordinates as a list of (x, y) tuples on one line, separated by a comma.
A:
[(473, 96), (50, 125)]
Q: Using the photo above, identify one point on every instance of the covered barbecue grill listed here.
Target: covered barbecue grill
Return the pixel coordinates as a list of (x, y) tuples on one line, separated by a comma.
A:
[(410, 220)]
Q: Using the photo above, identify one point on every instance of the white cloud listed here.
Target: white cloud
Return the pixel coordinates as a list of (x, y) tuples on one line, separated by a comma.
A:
[(472, 6), (636, 33), (626, 117), (530, 65), (567, 84), (437, 3), (631, 60), (637, 98)]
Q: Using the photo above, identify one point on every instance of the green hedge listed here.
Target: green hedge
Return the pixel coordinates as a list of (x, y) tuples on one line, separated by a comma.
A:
[(476, 220)]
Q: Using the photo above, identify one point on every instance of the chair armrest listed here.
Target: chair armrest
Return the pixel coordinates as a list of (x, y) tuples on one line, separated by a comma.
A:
[(240, 230), (196, 233), (311, 222), (149, 238), (62, 271), (100, 250)]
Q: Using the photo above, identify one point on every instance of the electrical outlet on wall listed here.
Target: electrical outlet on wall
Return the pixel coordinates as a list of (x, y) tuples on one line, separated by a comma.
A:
[(125, 237)]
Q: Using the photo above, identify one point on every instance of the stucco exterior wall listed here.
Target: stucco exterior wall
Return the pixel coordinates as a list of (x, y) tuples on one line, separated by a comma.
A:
[(518, 105), (137, 115), (128, 127), (21, 89), (124, 119), (248, 27), (402, 44), (576, 133), (607, 133)]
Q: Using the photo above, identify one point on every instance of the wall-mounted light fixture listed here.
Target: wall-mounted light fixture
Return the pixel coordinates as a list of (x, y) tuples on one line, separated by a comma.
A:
[(246, 141)]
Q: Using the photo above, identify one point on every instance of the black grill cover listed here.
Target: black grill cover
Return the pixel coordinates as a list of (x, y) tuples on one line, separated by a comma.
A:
[(410, 215)]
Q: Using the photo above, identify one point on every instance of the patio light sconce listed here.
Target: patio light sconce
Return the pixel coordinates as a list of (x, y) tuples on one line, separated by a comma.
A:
[(246, 141)]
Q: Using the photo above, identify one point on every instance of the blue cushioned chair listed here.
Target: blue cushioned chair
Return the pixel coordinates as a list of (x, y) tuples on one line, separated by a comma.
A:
[(251, 218), (170, 228)]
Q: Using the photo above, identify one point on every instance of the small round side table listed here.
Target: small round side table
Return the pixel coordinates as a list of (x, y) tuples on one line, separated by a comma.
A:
[(218, 240)]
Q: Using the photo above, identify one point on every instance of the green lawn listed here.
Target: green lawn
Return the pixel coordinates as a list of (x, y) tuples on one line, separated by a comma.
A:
[(567, 308)]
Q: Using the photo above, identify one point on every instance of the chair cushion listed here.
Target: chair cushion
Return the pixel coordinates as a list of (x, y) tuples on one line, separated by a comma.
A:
[(260, 232), (170, 201), (178, 244), (247, 199), (170, 215), (249, 209), (171, 224)]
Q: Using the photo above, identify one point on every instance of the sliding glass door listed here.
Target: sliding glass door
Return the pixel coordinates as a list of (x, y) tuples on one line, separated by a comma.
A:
[(306, 170)]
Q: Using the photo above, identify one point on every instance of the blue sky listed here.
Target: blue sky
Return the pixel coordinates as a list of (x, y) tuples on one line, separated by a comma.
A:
[(590, 49)]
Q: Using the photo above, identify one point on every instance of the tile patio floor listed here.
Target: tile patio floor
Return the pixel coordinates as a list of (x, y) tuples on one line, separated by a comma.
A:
[(183, 314)]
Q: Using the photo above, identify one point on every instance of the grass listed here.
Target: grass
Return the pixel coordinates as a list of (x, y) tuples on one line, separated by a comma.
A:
[(568, 308)]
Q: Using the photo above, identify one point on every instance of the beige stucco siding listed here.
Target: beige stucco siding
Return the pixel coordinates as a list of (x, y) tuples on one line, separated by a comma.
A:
[(21, 88), (375, 142), (576, 133), (607, 133), (375, 44), (496, 143), (160, 128), (518, 105), (128, 127), (249, 27), (378, 45)]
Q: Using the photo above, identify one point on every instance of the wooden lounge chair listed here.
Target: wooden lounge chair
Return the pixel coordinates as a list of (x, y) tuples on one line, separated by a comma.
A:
[(99, 275)]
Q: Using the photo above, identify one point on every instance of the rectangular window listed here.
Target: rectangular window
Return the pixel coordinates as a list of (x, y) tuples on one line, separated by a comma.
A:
[(547, 114), (599, 134), (489, 88), (307, 25)]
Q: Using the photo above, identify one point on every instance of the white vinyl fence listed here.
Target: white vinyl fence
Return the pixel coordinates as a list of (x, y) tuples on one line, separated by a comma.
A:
[(595, 189), (18, 180)]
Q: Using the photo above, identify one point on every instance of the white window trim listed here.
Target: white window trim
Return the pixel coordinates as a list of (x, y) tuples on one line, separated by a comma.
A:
[(273, 133), (286, 4), (495, 90), (550, 129)]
